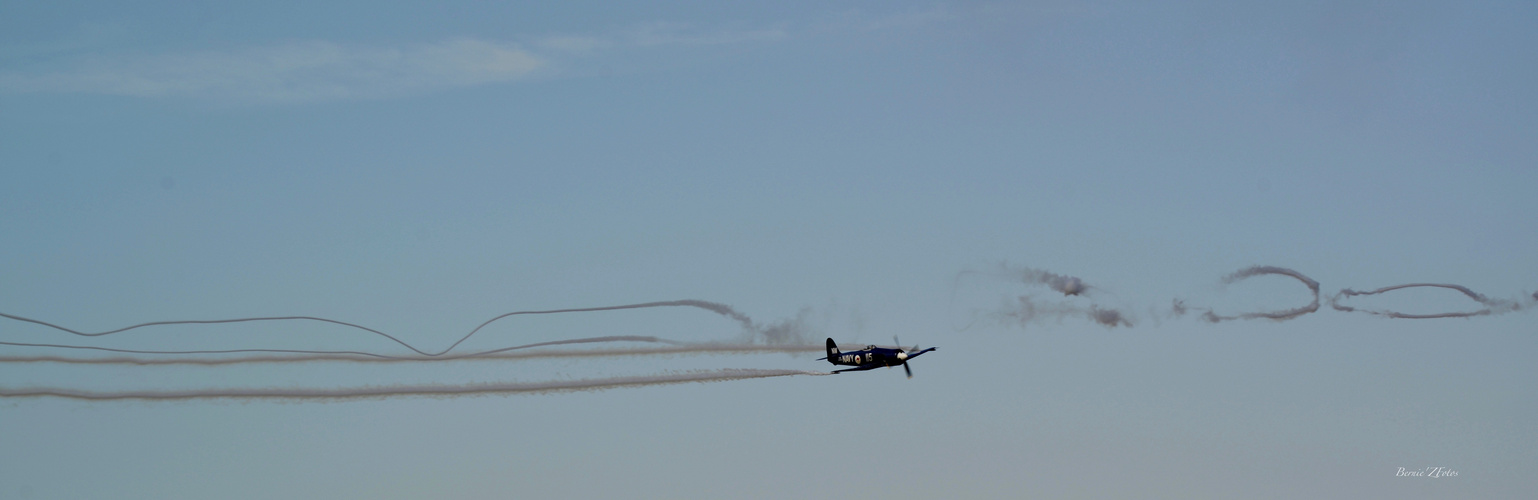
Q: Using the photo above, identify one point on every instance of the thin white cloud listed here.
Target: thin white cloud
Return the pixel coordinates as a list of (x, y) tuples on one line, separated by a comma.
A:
[(579, 44), (307, 71), (656, 35), (84, 36), (680, 34), (858, 21), (299, 71)]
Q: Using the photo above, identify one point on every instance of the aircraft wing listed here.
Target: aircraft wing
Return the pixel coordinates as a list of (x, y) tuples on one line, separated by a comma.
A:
[(859, 369), (912, 355)]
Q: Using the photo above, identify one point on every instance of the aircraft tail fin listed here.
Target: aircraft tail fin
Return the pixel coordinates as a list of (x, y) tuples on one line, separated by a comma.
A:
[(832, 350)]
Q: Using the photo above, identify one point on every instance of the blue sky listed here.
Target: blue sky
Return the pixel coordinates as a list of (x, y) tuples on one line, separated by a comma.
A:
[(421, 168)]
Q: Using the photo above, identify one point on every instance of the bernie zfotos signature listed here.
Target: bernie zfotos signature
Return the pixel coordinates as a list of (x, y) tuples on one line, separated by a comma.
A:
[(1426, 472)]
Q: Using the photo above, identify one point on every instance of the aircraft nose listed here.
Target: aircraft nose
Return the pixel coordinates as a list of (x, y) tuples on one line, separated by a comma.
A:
[(902, 355)]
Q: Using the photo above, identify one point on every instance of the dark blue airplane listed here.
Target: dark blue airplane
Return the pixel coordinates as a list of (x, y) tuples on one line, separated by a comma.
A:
[(872, 357)]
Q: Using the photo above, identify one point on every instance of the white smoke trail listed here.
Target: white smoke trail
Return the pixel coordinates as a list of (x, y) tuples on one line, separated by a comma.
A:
[(499, 355), (299, 353), (405, 390), (718, 308)]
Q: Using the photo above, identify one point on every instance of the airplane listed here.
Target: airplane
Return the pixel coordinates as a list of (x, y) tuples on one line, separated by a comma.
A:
[(872, 357)]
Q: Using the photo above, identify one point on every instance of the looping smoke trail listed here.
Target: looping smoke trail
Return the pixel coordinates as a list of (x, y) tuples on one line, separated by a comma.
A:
[(717, 308), (500, 354), (1283, 315), (421, 390), (1492, 306)]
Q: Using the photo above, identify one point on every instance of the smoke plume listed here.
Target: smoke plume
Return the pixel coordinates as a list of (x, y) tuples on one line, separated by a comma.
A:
[(1027, 310), (1066, 285)]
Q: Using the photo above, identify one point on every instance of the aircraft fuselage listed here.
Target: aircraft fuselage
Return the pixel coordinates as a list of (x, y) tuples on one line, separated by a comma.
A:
[(871, 357)]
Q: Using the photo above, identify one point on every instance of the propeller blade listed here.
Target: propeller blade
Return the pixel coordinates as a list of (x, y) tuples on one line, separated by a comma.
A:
[(896, 343), (909, 370)]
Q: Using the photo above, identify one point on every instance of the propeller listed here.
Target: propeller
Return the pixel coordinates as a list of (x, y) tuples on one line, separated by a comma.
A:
[(901, 354)]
